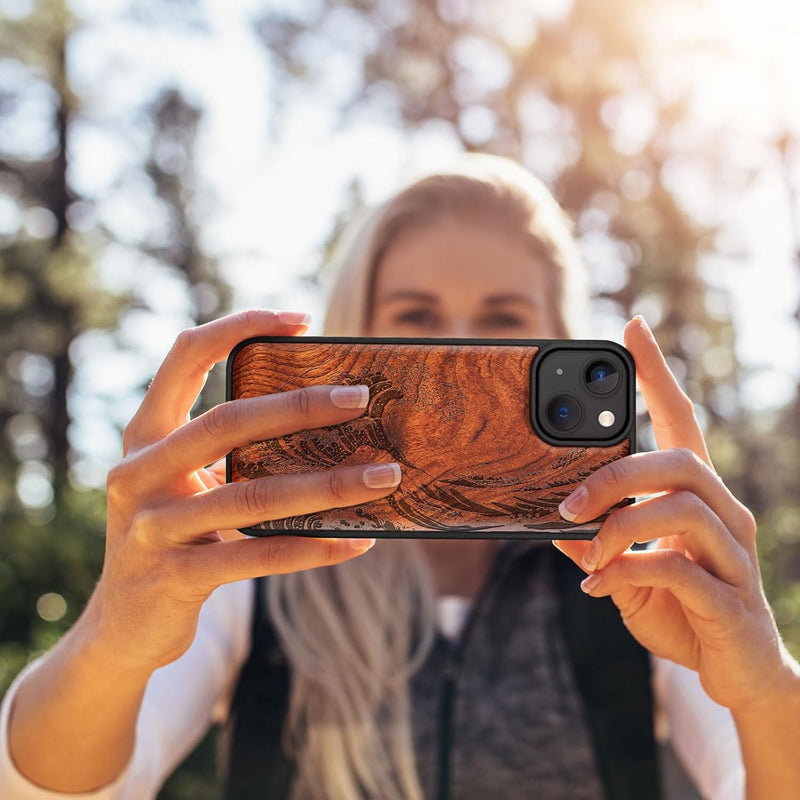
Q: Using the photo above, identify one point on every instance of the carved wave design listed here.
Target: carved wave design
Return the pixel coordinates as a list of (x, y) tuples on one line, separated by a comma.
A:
[(476, 477)]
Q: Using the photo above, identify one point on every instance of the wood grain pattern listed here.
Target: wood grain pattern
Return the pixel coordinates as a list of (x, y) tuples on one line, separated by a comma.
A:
[(457, 418)]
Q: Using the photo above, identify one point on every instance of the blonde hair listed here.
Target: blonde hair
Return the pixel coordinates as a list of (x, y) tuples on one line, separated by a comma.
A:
[(499, 193), (355, 633)]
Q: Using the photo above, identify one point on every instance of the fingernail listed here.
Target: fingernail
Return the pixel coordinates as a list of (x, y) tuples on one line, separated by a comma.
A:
[(557, 545), (591, 558), (361, 545), (294, 317), (573, 505), (643, 324), (590, 582), (382, 476), (350, 396)]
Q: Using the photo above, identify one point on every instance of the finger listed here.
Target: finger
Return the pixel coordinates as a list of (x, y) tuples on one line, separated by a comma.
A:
[(680, 514), (247, 503), (671, 636), (218, 472), (572, 548), (226, 562), (697, 590), (652, 473), (671, 411), (240, 422), (181, 376), (216, 475), (213, 475)]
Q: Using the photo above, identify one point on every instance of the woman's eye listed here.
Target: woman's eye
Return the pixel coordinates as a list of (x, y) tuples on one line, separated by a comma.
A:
[(420, 317)]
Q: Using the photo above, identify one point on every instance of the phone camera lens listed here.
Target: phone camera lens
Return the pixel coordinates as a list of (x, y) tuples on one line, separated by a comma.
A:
[(602, 377), (563, 412)]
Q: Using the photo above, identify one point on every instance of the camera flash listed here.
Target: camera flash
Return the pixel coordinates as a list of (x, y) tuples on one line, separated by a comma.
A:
[(559, 371), (606, 418)]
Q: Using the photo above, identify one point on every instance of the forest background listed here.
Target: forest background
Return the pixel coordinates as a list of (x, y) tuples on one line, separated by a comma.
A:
[(165, 161)]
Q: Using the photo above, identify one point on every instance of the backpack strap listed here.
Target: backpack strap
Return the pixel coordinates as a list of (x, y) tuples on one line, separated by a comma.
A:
[(258, 766), (612, 672)]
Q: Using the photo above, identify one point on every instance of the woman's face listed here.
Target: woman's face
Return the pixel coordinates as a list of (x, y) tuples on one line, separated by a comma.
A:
[(458, 278)]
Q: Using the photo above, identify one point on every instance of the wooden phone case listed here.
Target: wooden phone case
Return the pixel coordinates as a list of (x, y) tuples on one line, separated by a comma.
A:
[(456, 415)]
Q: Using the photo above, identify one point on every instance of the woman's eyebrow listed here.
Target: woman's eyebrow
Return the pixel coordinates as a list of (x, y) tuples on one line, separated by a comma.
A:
[(409, 294), (502, 299)]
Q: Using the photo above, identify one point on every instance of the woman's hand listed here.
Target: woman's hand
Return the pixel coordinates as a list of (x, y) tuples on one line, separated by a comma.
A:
[(696, 597), (171, 536)]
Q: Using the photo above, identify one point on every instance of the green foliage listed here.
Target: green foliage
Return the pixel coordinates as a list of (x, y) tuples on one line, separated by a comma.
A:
[(52, 540), (58, 551)]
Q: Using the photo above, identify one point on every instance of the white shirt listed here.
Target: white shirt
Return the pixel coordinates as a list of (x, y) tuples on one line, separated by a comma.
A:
[(184, 698)]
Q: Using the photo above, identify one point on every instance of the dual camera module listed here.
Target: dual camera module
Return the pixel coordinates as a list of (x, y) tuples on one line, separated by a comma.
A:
[(582, 394)]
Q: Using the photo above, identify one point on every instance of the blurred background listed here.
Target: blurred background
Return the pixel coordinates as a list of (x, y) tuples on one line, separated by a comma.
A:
[(165, 161)]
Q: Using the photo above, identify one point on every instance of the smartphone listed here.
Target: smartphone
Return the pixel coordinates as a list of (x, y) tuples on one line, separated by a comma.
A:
[(491, 435)]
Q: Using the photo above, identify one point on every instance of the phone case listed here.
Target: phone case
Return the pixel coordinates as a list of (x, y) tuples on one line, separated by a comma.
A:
[(455, 414)]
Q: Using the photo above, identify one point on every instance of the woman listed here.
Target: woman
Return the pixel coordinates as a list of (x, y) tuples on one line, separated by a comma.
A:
[(482, 252)]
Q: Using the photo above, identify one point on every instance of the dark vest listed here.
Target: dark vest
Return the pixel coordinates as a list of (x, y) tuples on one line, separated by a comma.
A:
[(608, 673)]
